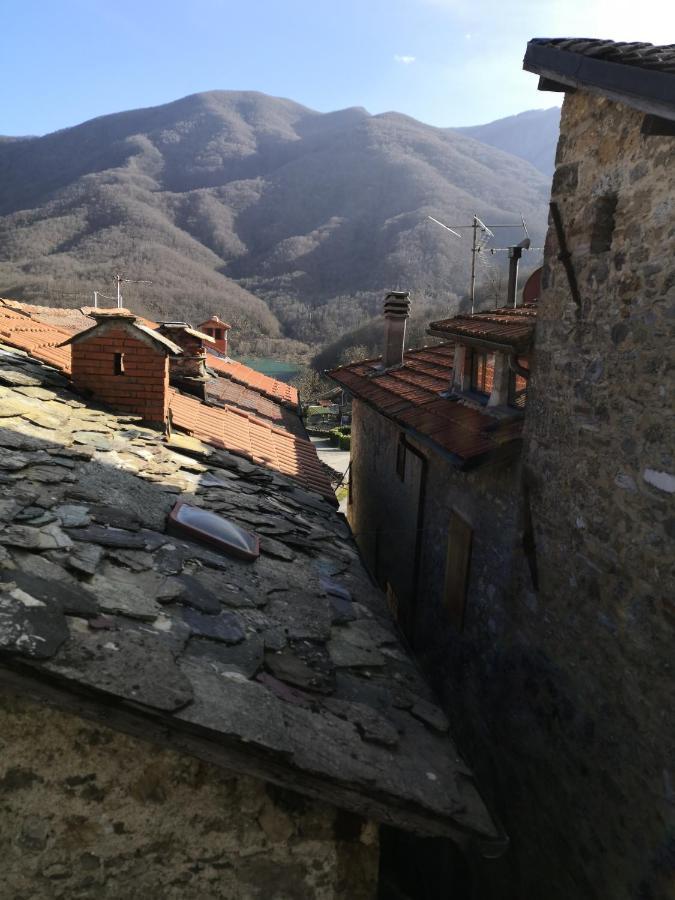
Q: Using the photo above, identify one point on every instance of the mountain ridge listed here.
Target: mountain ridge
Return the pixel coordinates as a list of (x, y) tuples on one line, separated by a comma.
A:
[(289, 221)]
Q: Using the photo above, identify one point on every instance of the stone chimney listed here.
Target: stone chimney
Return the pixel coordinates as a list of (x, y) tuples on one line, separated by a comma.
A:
[(124, 364), (217, 329), (396, 313), (191, 364)]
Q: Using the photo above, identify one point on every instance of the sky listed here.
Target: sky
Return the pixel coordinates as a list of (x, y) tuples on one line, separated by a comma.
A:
[(445, 62)]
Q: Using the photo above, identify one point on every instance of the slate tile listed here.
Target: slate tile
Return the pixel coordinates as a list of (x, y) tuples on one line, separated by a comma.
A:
[(238, 709), (134, 665), (246, 657), (224, 627), (72, 599), (29, 627)]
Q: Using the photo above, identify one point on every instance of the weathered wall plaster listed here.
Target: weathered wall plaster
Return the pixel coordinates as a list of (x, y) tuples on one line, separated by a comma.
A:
[(87, 812)]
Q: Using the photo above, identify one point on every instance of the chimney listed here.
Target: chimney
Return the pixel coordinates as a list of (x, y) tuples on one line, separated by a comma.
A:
[(124, 364), (396, 312), (515, 254), (217, 329), (191, 364)]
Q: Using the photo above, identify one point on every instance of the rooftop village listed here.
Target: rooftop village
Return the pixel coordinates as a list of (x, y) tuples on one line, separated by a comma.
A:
[(215, 685)]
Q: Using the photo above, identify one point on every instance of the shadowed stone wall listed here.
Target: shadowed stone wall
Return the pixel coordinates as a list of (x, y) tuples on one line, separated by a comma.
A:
[(597, 679), (568, 715), (87, 812)]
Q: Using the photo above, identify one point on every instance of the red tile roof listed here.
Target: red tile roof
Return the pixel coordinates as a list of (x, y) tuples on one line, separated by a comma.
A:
[(227, 428), (36, 338), (268, 387), (412, 396), (259, 441), (506, 326), (224, 392)]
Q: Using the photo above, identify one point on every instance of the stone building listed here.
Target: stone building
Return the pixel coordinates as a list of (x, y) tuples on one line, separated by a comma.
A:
[(184, 719), (434, 474), (559, 676)]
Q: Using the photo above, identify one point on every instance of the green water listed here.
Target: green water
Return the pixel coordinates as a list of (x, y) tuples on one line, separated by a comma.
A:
[(275, 368)]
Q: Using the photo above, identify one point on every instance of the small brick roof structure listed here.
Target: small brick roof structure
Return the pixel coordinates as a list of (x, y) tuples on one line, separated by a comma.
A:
[(126, 319), (288, 668), (506, 327), (416, 396), (269, 387), (215, 322), (641, 75)]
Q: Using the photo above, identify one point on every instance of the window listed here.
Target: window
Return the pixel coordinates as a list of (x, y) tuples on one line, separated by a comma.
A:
[(460, 538), (118, 364), (400, 459), (517, 391), (482, 372)]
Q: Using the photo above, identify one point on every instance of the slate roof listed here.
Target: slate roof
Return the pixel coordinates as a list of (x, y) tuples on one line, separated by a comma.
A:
[(417, 396), (507, 326), (269, 387), (266, 441), (288, 668), (640, 74)]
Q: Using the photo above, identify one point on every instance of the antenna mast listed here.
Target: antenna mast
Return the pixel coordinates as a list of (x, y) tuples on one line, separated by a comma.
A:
[(119, 280)]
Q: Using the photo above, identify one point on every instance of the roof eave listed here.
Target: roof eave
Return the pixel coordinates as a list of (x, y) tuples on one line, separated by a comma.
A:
[(519, 347), (646, 90), (234, 755)]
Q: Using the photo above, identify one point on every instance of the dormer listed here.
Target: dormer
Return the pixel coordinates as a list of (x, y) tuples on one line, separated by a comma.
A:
[(491, 357), (217, 329), (124, 364)]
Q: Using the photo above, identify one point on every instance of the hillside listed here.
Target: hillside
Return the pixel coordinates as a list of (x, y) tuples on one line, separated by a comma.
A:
[(532, 135), (283, 220)]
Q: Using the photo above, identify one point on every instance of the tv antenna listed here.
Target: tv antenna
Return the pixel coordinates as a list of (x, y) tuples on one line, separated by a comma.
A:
[(120, 280), (481, 233)]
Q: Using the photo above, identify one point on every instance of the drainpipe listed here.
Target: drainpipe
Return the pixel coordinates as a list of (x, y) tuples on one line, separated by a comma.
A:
[(396, 313)]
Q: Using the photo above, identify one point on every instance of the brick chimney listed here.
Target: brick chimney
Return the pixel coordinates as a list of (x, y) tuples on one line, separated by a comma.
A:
[(216, 329), (396, 313), (124, 364), (191, 364)]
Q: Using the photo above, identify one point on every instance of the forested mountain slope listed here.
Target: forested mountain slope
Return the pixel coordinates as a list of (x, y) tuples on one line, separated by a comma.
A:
[(532, 135), (284, 220)]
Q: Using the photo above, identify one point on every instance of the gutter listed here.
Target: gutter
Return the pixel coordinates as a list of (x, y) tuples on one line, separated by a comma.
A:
[(479, 342)]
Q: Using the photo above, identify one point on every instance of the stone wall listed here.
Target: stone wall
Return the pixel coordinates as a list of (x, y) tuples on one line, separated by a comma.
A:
[(601, 476), (563, 706), (87, 812)]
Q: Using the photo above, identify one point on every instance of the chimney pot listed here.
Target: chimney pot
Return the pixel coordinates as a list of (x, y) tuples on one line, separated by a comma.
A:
[(396, 313)]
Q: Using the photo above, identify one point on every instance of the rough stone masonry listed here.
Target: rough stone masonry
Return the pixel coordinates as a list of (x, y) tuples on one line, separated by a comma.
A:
[(575, 687)]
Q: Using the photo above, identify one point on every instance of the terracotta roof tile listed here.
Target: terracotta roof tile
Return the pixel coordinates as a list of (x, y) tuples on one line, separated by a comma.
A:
[(511, 327), (414, 395), (228, 428), (257, 440), (225, 392), (268, 387), (39, 339)]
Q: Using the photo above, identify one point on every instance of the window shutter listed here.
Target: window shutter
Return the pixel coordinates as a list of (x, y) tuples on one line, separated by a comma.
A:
[(460, 536)]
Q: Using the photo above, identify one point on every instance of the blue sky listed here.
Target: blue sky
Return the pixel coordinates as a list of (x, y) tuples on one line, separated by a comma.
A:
[(446, 62)]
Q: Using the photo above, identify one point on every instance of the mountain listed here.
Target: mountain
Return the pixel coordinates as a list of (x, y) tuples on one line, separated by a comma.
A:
[(286, 221), (532, 135)]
